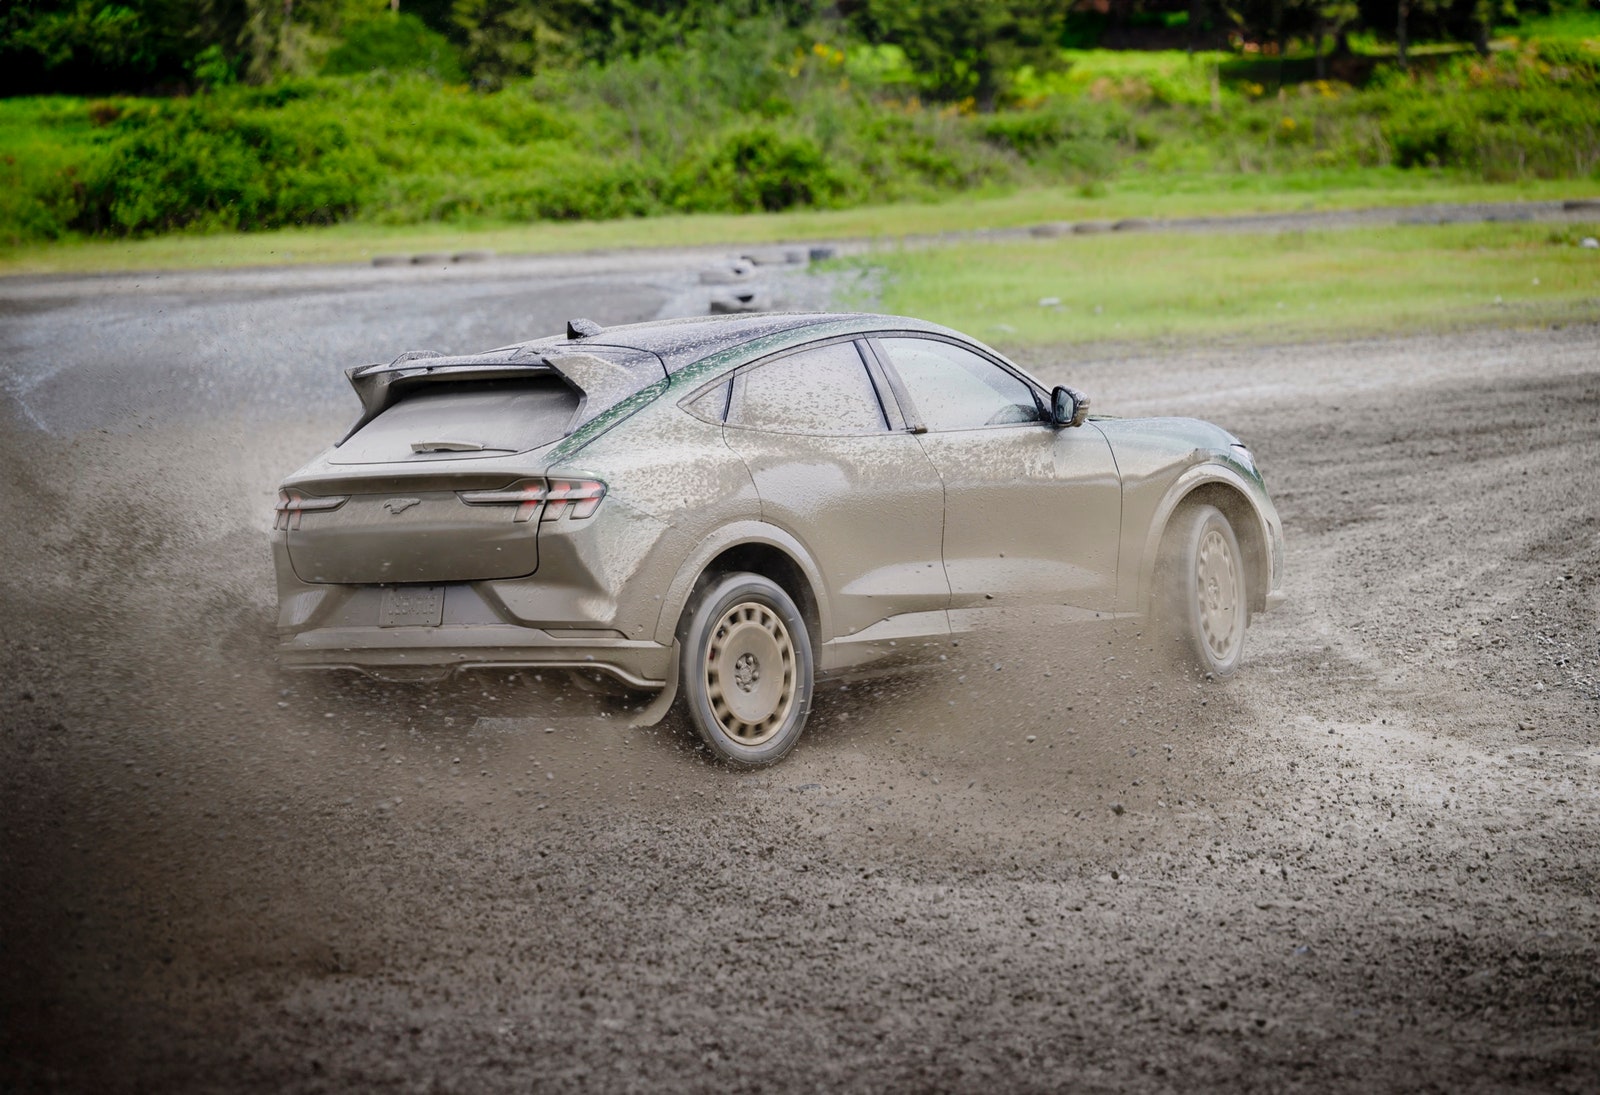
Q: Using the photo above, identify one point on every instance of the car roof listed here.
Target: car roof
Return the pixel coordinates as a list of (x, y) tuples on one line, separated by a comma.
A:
[(682, 342), (628, 357)]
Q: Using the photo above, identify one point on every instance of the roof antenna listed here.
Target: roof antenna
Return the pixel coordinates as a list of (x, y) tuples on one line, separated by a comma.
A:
[(578, 328)]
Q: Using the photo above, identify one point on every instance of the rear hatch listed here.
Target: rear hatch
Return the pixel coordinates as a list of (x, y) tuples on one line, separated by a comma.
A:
[(407, 479)]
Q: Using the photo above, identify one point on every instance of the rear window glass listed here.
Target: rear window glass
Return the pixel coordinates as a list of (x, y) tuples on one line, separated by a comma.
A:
[(454, 421)]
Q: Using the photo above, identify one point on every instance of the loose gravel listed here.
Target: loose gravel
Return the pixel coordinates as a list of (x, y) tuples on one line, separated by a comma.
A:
[(1368, 862)]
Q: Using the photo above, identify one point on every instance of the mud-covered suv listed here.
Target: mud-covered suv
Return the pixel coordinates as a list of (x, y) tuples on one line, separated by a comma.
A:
[(726, 509)]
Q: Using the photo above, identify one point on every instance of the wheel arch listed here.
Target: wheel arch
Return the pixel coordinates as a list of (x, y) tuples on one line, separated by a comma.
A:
[(1214, 485), (758, 548)]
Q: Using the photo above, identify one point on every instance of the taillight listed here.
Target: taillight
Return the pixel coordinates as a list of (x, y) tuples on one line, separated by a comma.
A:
[(291, 504), (525, 496), (574, 498)]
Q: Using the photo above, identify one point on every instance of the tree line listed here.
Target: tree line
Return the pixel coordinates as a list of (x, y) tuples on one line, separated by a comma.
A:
[(960, 49)]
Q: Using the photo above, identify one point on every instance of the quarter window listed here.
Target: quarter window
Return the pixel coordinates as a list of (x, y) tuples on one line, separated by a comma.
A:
[(710, 405), (956, 389), (825, 390)]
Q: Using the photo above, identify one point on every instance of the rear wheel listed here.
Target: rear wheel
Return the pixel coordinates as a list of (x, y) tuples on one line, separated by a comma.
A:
[(746, 671), (1200, 583)]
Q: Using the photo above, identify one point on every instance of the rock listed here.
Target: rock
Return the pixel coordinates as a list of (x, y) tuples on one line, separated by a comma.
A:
[(820, 254), (774, 256), (1130, 224), (1051, 230), (1116, 808), (474, 256), (731, 274), (1084, 228), (432, 258), (747, 300), (1049, 302), (1031, 738), (391, 260), (1590, 242)]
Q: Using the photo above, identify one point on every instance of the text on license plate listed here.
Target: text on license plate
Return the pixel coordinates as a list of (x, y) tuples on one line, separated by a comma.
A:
[(412, 606)]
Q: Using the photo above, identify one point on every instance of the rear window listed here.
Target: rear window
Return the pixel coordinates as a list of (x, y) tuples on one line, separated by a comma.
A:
[(455, 421)]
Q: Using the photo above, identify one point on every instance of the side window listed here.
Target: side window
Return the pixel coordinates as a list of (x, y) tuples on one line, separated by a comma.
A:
[(710, 405), (956, 389), (820, 391)]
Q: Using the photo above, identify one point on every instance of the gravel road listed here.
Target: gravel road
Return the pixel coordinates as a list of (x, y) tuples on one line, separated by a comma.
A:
[(1369, 862)]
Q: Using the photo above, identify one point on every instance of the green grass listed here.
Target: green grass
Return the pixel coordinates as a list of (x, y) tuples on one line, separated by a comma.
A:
[(1164, 288), (1163, 76), (1138, 197), (1565, 24)]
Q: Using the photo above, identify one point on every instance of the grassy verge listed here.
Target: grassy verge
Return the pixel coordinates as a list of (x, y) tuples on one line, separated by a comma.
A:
[(1172, 288), (1137, 197)]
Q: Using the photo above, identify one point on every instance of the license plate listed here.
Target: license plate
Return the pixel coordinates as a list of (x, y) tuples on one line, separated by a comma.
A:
[(412, 606)]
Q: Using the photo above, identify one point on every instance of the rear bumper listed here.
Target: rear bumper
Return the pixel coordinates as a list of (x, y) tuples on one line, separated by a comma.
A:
[(427, 653)]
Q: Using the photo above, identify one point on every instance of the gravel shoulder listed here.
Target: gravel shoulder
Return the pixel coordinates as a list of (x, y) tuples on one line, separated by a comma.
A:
[(1367, 862)]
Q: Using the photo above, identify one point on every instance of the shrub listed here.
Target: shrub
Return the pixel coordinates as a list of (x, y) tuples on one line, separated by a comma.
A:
[(395, 42), (759, 167), (217, 163), (1070, 136)]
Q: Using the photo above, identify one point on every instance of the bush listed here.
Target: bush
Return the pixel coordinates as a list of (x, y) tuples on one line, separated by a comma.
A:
[(1071, 136), (398, 42), (758, 168), (215, 162), (1533, 113)]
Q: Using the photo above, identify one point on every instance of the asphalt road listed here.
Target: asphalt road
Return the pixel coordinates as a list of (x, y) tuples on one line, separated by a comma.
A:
[(1366, 863)]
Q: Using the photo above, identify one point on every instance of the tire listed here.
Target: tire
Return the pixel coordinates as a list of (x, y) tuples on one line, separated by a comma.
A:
[(1203, 603), (746, 674)]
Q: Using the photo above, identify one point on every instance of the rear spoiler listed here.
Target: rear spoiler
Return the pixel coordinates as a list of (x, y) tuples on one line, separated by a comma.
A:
[(600, 384)]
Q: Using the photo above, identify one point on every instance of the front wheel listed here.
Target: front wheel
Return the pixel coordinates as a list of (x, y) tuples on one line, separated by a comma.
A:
[(746, 671), (1203, 602)]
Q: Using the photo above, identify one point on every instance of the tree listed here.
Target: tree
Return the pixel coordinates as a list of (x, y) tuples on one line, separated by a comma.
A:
[(1461, 20), (501, 39), (94, 46), (963, 49)]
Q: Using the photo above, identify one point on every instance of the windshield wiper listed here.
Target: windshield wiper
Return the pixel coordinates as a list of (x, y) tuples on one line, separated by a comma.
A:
[(456, 446)]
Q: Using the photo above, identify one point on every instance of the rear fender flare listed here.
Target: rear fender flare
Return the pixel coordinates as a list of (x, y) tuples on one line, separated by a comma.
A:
[(738, 534)]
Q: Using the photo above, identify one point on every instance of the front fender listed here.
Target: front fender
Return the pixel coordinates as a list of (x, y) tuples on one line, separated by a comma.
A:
[(1241, 495)]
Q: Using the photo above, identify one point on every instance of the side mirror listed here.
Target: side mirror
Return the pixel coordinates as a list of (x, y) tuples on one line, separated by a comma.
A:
[(1068, 407)]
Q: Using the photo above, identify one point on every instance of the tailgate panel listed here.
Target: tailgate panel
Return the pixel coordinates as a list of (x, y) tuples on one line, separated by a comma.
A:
[(424, 537)]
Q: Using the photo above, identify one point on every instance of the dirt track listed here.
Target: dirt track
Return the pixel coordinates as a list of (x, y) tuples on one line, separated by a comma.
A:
[(1371, 861)]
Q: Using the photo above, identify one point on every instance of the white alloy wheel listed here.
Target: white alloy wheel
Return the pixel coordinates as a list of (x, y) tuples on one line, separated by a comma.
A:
[(1202, 584), (747, 669)]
